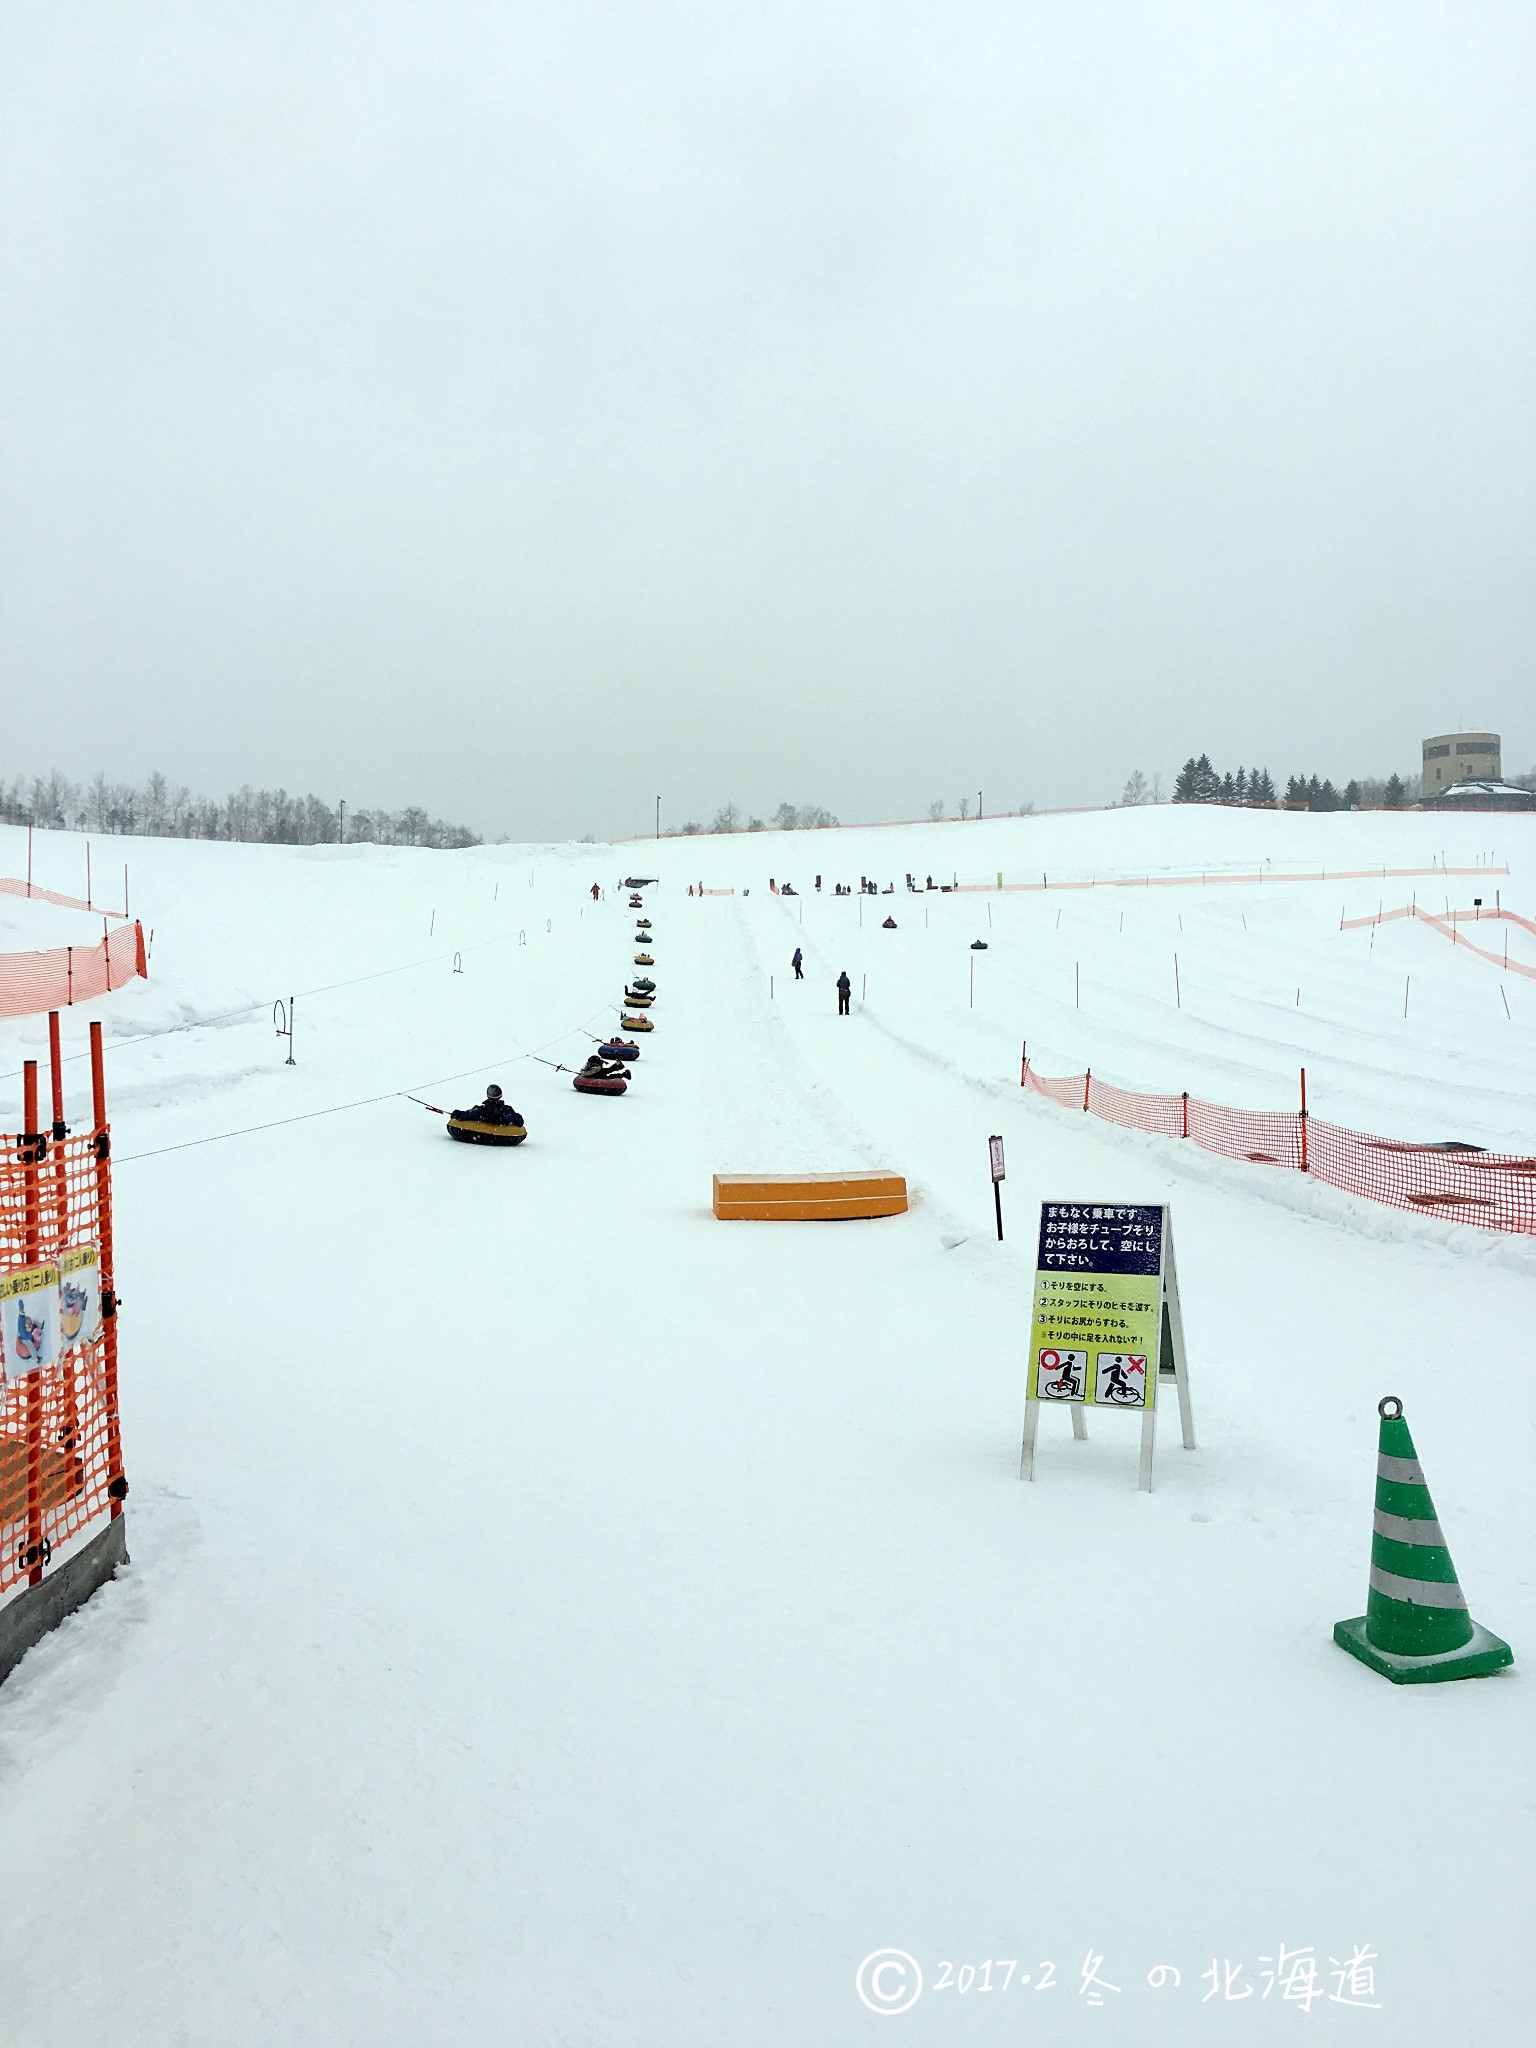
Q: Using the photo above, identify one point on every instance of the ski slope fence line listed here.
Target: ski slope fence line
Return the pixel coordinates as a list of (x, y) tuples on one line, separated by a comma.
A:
[(61, 976), (60, 1447), (10, 886), (1495, 1190), (1446, 925), (1261, 877)]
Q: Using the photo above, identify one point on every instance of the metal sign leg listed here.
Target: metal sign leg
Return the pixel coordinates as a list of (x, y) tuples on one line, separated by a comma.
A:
[(1027, 1452)]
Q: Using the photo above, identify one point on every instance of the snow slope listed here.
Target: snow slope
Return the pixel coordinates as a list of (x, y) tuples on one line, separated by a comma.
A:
[(557, 1617)]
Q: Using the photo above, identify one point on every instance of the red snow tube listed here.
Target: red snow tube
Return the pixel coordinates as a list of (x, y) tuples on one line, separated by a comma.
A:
[(593, 1084)]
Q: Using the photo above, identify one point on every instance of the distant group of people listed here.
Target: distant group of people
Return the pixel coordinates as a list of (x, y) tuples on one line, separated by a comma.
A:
[(867, 886)]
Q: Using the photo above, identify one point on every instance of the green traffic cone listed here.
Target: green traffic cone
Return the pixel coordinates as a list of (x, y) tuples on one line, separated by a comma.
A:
[(1415, 1628)]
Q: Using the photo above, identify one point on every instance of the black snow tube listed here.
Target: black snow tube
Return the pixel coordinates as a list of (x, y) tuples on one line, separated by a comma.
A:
[(599, 1084)]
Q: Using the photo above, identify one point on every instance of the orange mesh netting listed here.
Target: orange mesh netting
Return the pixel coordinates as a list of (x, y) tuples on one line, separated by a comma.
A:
[(1495, 1189), (1446, 925), (62, 975), (60, 1451)]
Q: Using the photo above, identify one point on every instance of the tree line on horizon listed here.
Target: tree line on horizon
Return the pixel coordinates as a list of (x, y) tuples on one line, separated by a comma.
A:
[(730, 818), (1198, 782), (159, 809)]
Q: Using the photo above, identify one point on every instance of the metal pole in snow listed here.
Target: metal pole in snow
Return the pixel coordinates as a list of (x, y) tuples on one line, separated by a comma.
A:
[(29, 856), (1178, 999)]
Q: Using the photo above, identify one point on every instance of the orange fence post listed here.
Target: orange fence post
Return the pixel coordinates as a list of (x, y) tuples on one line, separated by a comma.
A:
[(1087, 1082), (1185, 1132), (1303, 1119), (141, 964), (31, 1152), (117, 1485), (70, 1435), (1024, 1063)]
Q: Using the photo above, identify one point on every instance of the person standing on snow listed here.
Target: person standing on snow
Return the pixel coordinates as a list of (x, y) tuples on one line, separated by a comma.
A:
[(796, 963), (844, 991)]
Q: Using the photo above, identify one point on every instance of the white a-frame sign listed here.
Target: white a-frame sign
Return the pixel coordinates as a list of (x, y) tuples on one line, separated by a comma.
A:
[(1105, 1328)]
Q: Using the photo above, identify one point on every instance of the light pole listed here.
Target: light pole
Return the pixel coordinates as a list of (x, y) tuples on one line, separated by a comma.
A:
[(341, 831)]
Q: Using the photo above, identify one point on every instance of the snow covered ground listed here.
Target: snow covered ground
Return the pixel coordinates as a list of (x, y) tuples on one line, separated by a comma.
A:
[(557, 1617)]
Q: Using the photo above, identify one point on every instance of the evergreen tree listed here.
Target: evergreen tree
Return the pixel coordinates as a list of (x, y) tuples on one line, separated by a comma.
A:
[(1394, 793), (1296, 790), (1261, 790), (1240, 785), (1351, 795), (1186, 784), (1228, 788), (1207, 781)]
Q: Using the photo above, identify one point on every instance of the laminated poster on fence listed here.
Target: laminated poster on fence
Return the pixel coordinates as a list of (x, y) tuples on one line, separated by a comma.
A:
[(1098, 1304), (79, 1296), (29, 1320)]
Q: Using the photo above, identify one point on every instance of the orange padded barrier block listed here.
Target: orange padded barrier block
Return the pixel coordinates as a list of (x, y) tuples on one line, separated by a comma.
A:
[(808, 1197)]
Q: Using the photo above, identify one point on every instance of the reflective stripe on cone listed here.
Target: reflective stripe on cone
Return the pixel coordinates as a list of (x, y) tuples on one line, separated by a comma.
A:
[(1416, 1624)]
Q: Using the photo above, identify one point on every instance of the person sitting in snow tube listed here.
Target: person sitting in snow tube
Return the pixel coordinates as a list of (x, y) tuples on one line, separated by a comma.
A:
[(637, 1023), (643, 982), (619, 1049), (492, 1122), (637, 999), (644, 923), (601, 1077), (644, 960)]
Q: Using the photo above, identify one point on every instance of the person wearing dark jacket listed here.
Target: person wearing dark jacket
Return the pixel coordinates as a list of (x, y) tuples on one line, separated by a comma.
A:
[(797, 964), (844, 991), (494, 1109)]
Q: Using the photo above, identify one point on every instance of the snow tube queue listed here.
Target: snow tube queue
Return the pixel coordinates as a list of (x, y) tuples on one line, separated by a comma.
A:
[(495, 1122)]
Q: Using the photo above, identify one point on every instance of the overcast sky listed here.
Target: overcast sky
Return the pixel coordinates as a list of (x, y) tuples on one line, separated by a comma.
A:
[(526, 409)]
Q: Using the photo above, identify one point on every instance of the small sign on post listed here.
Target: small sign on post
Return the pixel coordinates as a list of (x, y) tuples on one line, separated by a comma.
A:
[(995, 1149), (1106, 1325)]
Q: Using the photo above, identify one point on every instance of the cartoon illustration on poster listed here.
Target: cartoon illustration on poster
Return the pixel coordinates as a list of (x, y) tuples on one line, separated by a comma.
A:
[(1098, 1294), (1061, 1375), (79, 1295), (1121, 1379), (29, 1320)]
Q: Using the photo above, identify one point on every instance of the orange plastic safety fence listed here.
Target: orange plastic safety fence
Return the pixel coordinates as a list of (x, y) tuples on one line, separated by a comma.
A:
[(1494, 1189), (10, 886), (62, 975), (59, 1439), (1446, 924)]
